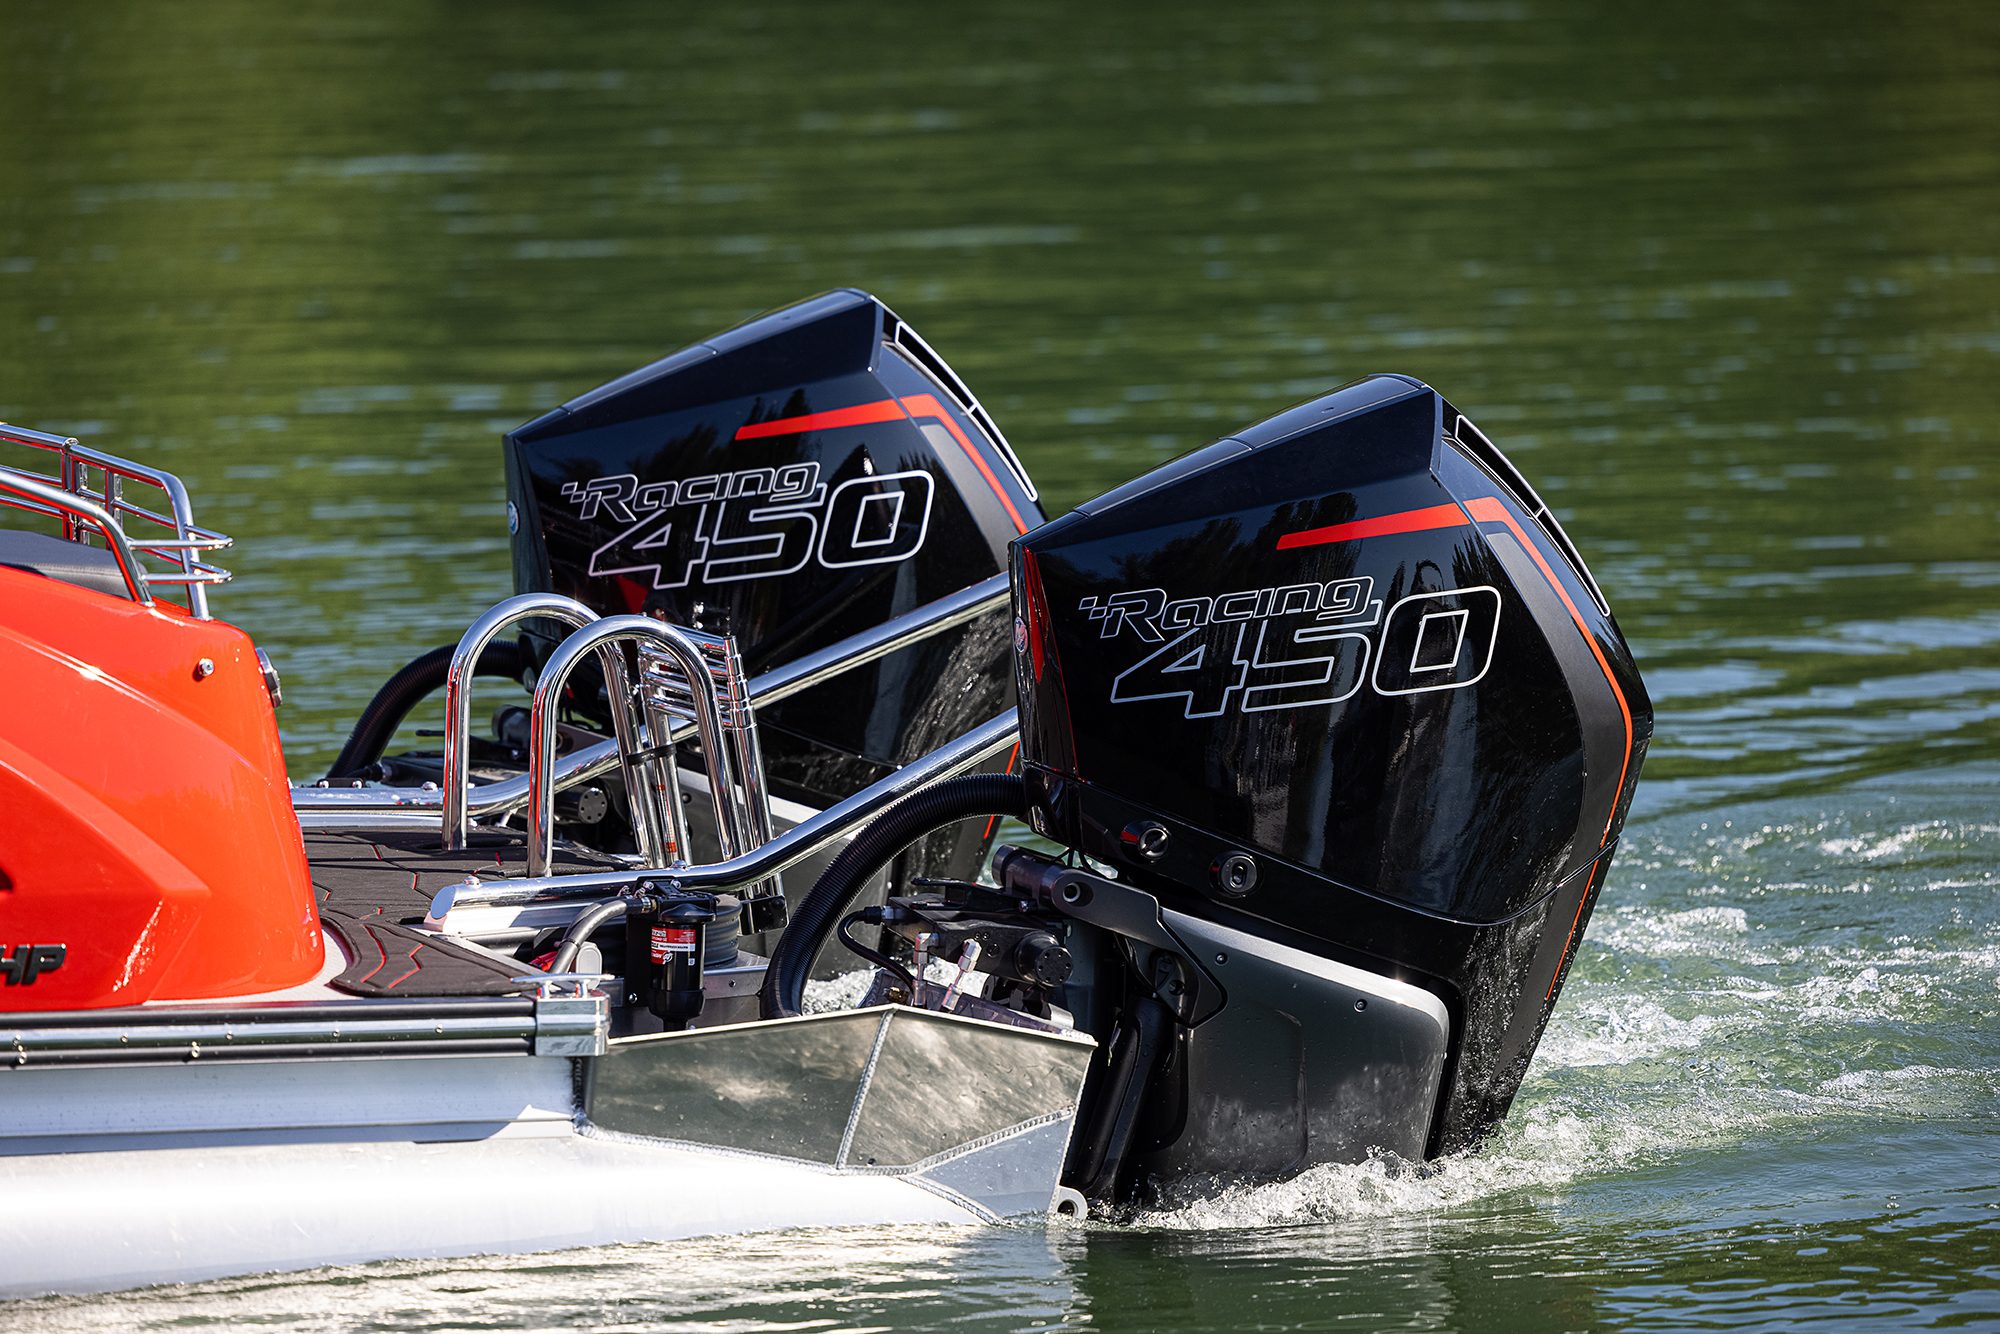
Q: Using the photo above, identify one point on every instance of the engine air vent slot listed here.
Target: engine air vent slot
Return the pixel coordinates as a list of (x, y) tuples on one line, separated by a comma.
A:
[(1485, 453), (925, 359)]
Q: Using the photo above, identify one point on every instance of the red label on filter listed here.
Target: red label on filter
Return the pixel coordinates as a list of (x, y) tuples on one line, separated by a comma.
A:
[(668, 940)]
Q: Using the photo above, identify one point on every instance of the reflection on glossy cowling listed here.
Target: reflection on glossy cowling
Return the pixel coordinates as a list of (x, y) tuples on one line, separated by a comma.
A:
[(1722, 285)]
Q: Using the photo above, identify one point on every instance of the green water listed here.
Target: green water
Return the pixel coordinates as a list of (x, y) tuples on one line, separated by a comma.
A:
[(1724, 282)]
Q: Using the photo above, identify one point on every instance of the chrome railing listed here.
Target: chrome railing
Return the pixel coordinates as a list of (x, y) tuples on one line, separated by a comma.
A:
[(804, 839), (458, 694), (913, 626), (325, 806), (667, 684), (20, 491), (687, 680), (85, 476), (658, 826)]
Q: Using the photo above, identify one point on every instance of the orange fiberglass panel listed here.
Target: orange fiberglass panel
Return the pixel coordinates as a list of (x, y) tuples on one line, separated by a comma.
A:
[(148, 849)]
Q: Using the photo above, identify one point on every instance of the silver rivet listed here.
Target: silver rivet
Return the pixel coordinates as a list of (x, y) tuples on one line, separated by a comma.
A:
[(1222, 958), (204, 668)]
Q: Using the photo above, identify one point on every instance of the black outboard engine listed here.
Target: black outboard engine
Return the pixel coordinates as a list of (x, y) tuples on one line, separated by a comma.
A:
[(1338, 692), (1345, 734), (804, 476)]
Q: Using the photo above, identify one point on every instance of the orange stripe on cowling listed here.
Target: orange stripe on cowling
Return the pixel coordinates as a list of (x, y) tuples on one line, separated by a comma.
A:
[(1407, 521), (926, 405), (1487, 509), (886, 410), (1570, 939), (883, 410)]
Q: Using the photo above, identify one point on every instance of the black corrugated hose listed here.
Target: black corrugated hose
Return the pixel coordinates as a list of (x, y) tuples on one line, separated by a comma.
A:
[(969, 797), (418, 678)]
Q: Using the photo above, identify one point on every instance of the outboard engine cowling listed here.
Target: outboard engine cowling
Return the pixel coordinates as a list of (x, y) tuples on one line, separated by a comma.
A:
[(804, 476), (1339, 694)]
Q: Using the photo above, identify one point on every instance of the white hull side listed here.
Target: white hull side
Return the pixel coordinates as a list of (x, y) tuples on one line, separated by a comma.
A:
[(86, 1222)]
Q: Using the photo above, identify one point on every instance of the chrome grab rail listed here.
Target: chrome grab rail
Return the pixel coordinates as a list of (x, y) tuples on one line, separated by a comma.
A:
[(763, 863), (329, 807), (601, 636), (458, 695), (803, 673), (71, 479), (918, 623), (664, 686), (739, 726)]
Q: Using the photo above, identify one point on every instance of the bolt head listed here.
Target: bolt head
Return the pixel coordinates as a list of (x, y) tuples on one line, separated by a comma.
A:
[(1234, 874), (1146, 839)]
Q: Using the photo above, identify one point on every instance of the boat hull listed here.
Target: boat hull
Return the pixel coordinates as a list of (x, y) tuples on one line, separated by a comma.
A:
[(195, 1143), (137, 1217)]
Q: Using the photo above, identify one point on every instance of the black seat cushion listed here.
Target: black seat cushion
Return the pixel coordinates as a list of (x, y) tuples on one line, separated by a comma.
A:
[(71, 562)]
